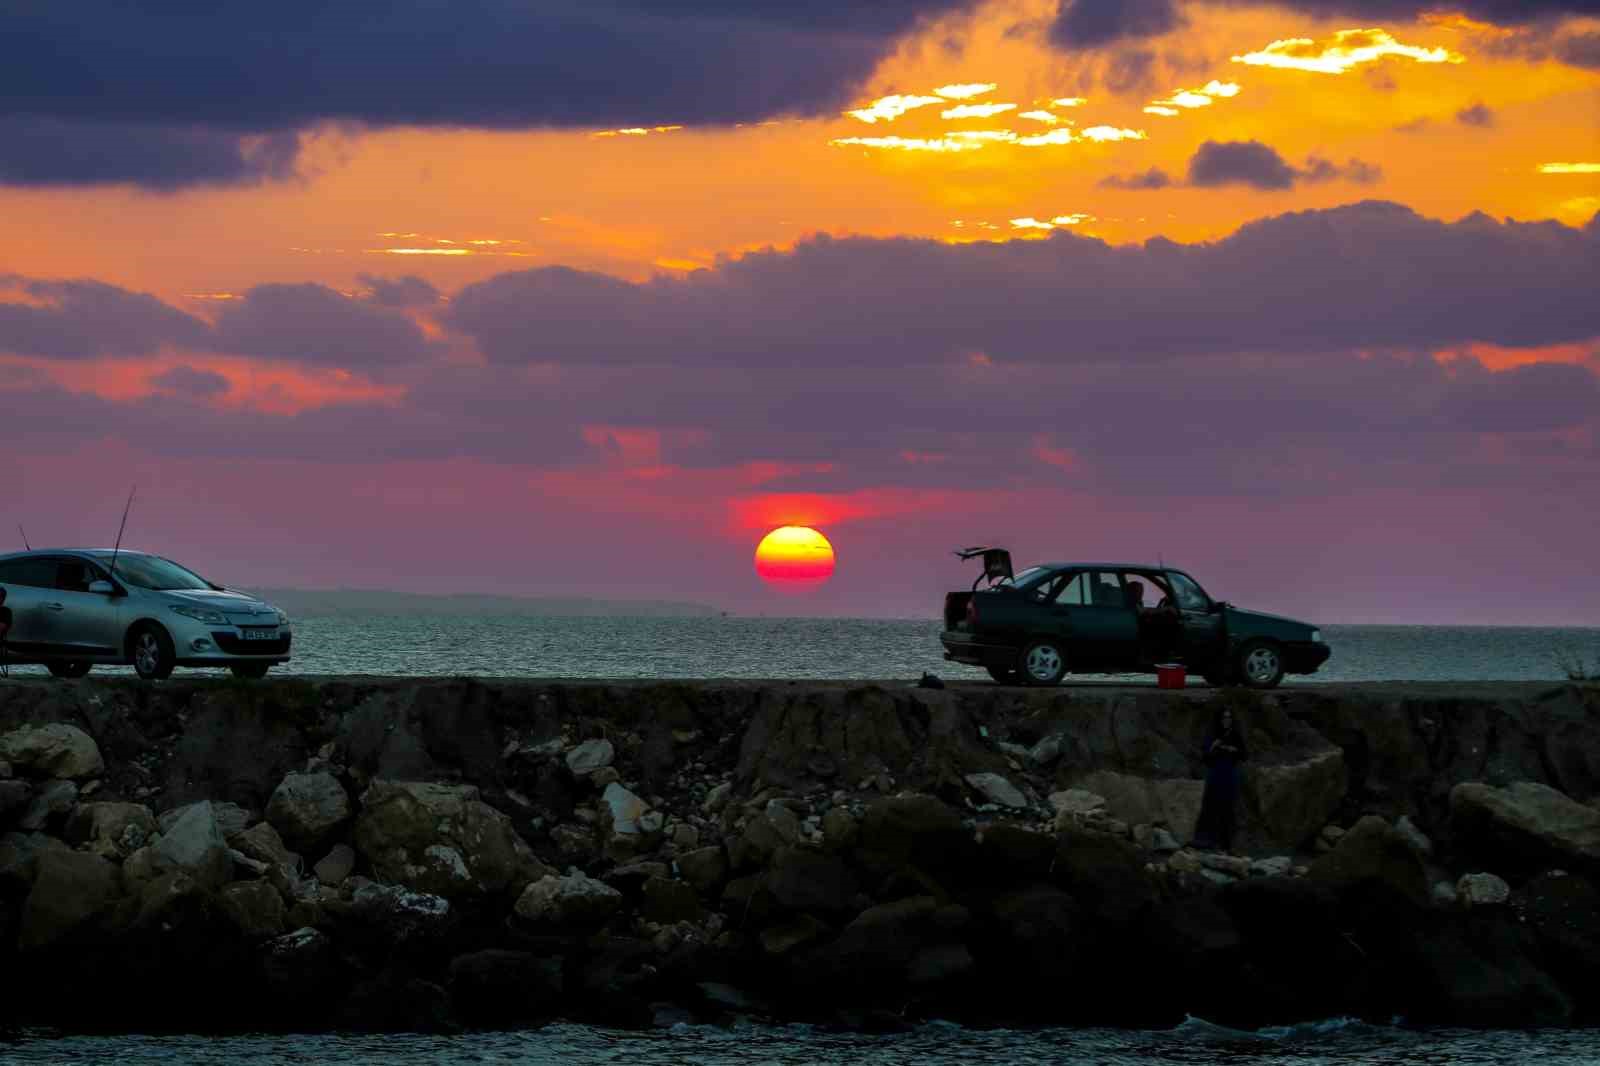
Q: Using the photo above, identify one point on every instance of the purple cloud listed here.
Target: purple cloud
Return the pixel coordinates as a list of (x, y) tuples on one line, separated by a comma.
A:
[(1259, 165), (82, 319), (1478, 115), (1154, 178), (190, 381), (408, 291), (314, 324)]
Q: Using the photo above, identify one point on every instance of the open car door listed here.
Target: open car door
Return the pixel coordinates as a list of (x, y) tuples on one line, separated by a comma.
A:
[(996, 563)]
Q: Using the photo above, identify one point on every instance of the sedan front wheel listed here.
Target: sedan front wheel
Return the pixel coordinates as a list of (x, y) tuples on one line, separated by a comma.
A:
[(153, 654), (1043, 663)]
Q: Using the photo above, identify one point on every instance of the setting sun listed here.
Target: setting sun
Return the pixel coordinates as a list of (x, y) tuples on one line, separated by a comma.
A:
[(794, 556)]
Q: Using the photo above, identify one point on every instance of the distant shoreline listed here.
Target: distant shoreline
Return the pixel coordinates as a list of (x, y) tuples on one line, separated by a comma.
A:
[(329, 602)]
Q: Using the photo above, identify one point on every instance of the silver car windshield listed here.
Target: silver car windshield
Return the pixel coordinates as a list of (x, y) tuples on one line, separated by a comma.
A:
[(152, 572)]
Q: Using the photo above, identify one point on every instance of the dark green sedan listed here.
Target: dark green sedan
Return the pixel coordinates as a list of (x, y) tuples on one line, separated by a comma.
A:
[(1042, 623)]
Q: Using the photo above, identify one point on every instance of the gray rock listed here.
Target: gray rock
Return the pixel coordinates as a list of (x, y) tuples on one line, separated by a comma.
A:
[(575, 901), (1276, 866), (1416, 837), (1294, 799), (13, 794), (307, 808), (1482, 889), (1444, 894), (839, 829), (231, 817), (1526, 824), (255, 909), (1076, 801), (685, 836), (1045, 752), (403, 915), (1170, 801), (717, 798), (57, 749), (262, 843), (589, 756), (19, 857), (71, 889), (625, 810), (115, 830), (795, 933), (196, 848), (54, 799), (996, 789), (336, 865), (442, 840), (704, 868)]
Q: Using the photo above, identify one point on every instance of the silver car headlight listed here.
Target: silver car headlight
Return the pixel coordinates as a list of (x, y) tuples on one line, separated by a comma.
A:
[(283, 618), (200, 614)]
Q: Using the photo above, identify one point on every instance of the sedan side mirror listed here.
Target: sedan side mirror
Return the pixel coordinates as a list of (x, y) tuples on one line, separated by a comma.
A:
[(103, 588)]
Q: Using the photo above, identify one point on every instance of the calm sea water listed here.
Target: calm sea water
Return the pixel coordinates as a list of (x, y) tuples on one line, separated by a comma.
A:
[(542, 646), (1334, 1042)]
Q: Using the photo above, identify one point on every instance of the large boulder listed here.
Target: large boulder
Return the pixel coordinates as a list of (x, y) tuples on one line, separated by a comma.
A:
[(1525, 826), (1563, 913), (196, 848), (1294, 800), (801, 879), (71, 890), (921, 831), (231, 818), (114, 830), (19, 859), (496, 987), (574, 902), (1375, 854), (1104, 874), (306, 809), (262, 843), (48, 805), (1172, 801), (255, 909), (54, 750), (441, 839)]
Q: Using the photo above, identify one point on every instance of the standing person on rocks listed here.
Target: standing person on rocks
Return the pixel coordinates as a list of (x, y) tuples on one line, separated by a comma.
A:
[(1223, 752)]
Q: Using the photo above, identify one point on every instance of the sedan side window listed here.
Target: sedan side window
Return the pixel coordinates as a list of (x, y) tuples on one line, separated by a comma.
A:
[(1074, 592), (1190, 598), (74, 575), (1105, 590)]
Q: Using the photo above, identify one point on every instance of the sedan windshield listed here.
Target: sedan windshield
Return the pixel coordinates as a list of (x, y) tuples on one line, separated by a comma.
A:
[(1024, 577), (153, 572)]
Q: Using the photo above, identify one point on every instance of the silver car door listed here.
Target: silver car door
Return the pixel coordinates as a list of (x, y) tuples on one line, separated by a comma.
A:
[(80, 620), (22, 579)]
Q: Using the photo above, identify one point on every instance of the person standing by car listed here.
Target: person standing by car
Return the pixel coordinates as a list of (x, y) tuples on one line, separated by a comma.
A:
[(1223, 751)]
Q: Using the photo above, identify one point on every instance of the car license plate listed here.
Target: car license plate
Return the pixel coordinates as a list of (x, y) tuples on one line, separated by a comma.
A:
[(259, 634)]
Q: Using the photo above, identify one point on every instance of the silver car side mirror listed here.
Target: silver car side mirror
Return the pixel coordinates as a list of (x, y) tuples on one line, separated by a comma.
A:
[(104, 588)]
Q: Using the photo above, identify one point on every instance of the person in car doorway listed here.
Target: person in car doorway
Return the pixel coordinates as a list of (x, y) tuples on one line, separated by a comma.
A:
[(1224, 750)]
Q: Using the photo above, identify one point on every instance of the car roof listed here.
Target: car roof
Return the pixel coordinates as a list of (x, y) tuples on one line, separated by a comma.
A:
[(1109, 566), (101, 552)]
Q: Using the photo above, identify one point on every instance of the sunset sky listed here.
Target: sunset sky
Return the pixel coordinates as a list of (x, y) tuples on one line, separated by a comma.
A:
[(582, 299)]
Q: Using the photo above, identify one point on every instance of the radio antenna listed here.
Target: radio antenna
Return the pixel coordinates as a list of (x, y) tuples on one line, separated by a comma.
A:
[(118, 546), (25, 544)]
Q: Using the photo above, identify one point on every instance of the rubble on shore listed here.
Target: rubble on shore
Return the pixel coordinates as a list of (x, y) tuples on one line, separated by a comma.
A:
[(432, 854)]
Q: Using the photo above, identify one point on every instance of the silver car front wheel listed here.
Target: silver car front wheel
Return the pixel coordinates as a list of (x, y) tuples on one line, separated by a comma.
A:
[(153, 656)]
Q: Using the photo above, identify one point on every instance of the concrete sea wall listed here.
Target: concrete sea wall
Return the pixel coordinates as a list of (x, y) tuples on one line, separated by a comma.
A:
[(365, 853)]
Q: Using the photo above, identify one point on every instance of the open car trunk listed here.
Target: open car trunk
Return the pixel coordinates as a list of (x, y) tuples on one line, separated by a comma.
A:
[(996, 567)]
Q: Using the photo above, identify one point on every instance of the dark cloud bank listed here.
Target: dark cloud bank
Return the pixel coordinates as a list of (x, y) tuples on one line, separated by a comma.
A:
[(165, 94)]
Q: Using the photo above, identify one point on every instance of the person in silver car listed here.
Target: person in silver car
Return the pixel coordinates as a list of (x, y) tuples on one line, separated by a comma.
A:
[(73, 609)]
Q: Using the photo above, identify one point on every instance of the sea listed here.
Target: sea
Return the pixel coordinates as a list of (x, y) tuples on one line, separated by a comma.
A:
[(1333, 1042), (511, 645), (500, 645)]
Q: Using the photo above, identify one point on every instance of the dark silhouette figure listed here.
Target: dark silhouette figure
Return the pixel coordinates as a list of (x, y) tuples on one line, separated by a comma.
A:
[(5, 629), (1223, 752)]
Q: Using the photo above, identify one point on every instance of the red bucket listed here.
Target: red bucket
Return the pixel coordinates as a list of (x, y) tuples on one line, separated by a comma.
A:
[(1170, 675)]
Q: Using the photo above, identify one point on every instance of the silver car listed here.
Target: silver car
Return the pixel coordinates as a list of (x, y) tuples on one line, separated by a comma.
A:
[(75, 608)]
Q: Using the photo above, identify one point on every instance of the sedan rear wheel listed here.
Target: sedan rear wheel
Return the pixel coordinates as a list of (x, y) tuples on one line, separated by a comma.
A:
[(1260, 664), (153, 656), (73, 669), (1043, 663)]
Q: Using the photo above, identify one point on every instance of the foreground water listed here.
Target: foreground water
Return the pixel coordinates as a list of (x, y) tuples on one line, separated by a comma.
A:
[(540, 646), (1333, 1042)]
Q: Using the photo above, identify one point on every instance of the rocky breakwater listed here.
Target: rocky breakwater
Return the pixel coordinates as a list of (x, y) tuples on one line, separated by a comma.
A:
[(385, 854)]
